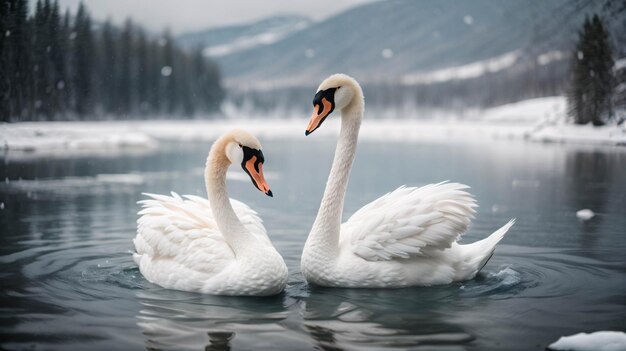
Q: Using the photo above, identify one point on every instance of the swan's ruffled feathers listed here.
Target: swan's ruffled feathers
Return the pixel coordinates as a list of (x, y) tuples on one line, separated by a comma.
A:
[(182, 231), (410, 222)]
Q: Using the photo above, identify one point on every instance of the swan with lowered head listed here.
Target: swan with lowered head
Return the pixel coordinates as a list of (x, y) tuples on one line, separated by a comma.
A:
[(405, 238), (217, 246)]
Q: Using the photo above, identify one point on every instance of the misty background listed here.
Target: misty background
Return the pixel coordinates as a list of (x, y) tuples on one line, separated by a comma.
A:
[(63, 60)]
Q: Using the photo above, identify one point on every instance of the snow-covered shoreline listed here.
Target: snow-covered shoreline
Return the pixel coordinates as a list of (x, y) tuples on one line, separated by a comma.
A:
[(536, 120)]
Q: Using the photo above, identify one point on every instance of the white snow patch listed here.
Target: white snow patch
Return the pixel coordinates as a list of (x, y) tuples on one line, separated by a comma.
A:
[(619, 64), (580, 134), (471, 70), (596, 341), (585, 214), (549, 57), (533, 110), (247, 42)]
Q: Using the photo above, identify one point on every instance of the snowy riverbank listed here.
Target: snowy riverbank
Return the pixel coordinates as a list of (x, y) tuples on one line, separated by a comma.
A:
[(538, 120)]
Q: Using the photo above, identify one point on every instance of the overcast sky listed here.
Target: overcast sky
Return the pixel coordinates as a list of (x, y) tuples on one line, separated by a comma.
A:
[(186, 15)]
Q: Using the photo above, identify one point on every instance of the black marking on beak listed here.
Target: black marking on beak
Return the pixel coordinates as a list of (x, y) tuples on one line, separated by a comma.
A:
[(329, 94), (320, 101)]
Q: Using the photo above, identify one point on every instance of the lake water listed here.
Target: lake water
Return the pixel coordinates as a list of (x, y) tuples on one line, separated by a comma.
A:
[(69, 283)]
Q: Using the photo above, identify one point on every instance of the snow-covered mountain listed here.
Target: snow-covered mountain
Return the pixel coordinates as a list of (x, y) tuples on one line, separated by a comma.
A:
[(483, 51), (394, 38)]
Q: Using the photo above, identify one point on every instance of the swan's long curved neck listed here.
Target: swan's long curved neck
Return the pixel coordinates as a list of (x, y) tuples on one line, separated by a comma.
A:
[(324, 237), (227, 221)]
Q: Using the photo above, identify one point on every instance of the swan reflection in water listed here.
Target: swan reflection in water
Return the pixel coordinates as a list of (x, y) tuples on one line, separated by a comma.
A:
[(351, 318), (173, 320)]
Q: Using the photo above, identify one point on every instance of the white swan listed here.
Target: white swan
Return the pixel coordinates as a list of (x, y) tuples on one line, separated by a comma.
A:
[(216, 246), (404, 238)]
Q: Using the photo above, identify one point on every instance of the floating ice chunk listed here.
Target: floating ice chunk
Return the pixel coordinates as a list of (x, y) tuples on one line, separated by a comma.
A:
[(597, 341), (468, 20), (1, 205), (585, 214)]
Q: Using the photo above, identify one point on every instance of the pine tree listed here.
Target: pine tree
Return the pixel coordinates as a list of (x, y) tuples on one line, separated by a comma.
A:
[(155, 86), (41, 74), (124, 79), (5, 109), (142, 73), (83, 63), (209, 93), (57, 60), (15, 78), (592, 81), (108, 68), (169, 73), (65, 45), (184, 82), (55, 67)]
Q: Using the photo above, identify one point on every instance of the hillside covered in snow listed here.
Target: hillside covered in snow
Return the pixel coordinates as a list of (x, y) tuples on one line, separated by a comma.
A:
[(411, 41), (440, 53)]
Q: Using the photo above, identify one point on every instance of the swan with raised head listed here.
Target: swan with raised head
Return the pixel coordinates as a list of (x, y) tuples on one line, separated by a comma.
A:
[(217, 246), (405, 238)]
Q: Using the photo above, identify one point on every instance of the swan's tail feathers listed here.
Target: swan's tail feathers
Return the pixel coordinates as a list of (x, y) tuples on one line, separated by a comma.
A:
[(480, 252)]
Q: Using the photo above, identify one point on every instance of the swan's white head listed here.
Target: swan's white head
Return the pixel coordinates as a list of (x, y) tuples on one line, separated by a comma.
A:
[(336, 92), (241, 147)]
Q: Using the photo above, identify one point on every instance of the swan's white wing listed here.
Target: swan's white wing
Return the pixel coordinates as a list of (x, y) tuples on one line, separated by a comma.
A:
[(409, 222), (248, 217), (183, 233)]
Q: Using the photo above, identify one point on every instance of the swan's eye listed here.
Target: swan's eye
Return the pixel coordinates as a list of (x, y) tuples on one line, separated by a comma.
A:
[(240, 145)]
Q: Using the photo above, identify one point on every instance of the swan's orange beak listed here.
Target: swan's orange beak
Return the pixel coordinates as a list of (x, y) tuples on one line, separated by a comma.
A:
[(320, 113), (254, 168)]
